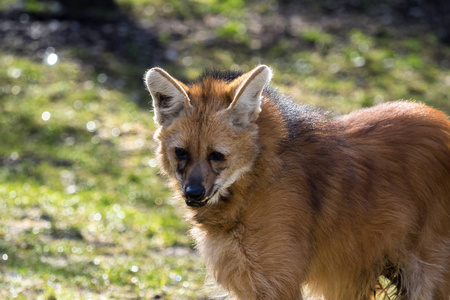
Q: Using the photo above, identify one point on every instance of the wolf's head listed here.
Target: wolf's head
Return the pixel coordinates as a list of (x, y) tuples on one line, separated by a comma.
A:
[(207, 136)]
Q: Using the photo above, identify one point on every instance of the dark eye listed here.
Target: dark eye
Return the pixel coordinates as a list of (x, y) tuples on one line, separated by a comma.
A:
[(217, 156), (181, 154)]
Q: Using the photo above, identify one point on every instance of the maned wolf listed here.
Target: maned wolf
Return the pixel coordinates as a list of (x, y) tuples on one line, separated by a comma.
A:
[(280, 196)]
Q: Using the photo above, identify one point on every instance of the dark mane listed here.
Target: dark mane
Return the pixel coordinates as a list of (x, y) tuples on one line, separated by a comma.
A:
[(294, 114), (227, 76)]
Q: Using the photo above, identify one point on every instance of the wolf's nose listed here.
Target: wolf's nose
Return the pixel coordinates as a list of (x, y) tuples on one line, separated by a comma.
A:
[(195, 193)]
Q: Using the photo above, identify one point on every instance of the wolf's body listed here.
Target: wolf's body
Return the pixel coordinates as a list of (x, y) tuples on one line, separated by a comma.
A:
[(280, 196)]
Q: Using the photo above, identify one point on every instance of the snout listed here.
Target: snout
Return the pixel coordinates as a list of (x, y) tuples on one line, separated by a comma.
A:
[(194, 192), (195, 195)]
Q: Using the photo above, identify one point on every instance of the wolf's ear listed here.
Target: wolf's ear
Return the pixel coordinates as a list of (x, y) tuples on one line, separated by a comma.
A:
[(246, 104), (169, 95)]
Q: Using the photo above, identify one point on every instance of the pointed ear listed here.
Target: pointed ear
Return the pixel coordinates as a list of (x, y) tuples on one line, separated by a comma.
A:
[(246, 104), (169, 96)]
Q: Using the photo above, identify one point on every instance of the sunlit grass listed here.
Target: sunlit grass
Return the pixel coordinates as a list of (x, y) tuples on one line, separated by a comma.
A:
[(83, 211)]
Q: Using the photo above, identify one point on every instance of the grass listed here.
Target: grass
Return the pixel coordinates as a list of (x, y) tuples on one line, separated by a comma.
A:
[(83, 211)]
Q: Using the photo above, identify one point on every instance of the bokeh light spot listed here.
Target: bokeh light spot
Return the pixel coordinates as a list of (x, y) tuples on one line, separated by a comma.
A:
[(46, 116), (52, 59), (91, 126), (15, 90), (115, 132), (102, 78), (134, 269)]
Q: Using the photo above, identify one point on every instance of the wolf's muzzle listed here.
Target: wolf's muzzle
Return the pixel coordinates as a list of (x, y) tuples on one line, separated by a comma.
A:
[(195, 195)]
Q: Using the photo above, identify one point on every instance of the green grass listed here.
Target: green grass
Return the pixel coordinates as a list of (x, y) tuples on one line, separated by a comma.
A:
[(83, 211)]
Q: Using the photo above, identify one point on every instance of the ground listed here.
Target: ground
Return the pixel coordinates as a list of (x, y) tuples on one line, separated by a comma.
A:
[(84, 213)]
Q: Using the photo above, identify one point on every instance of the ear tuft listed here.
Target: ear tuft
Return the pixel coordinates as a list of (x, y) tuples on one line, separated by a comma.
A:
[(246, 104), (169, 96)]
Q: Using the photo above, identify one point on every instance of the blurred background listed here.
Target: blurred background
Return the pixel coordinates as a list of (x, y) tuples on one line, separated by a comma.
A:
[(83, 211)]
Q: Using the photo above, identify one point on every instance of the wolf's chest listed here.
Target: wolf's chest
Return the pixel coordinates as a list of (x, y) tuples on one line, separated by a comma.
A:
[(225, 253)]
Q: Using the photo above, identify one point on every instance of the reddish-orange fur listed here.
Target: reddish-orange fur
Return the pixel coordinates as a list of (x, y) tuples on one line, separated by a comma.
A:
[(334, 205)]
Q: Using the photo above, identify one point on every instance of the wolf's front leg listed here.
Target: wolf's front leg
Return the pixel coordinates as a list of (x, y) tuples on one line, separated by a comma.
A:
[(267, 292), (263, 275)]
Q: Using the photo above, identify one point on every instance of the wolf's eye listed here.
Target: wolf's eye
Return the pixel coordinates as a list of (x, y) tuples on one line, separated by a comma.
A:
[(181, 154), (217, 156)]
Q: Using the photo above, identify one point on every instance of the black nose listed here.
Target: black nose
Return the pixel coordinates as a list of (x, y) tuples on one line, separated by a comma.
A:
[(194, 192)]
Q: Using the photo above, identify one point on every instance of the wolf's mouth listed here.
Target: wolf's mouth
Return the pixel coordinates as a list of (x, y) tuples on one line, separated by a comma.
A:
[(201, 203), (196, 203)]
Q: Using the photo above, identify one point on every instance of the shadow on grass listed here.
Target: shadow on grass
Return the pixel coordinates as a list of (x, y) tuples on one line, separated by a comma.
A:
[(109, 43)]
